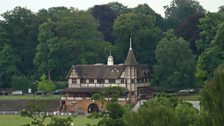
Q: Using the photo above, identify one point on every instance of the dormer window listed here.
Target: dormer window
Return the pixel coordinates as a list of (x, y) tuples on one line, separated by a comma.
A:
[(115, 70)]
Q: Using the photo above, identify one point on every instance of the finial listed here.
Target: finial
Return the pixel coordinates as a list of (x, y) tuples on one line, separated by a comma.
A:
[(130, 44)]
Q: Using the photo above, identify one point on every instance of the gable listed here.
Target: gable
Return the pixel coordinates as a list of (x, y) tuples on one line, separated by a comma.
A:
[(72, 73)]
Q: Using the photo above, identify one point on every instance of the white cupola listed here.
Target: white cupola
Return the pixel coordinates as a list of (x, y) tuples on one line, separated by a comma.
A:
[(110, 60)]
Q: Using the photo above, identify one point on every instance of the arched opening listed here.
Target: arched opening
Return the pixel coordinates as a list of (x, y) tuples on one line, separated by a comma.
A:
[(62, 106), (93, 108)]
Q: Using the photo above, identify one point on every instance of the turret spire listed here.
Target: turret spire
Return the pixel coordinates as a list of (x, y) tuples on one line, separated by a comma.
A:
[(130, 44), (130, 60), (110, 60)]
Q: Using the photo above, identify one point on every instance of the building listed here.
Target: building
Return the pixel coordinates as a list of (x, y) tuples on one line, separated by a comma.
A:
[(85, 80)]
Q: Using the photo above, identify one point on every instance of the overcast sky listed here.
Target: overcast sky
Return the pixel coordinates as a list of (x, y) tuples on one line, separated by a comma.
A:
[(156, 5)]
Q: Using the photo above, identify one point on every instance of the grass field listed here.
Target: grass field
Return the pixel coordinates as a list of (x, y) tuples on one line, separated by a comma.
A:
[(29, 97), (191, 97), (16, 120)]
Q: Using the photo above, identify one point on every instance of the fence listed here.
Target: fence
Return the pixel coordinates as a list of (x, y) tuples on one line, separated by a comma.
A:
[(56, 113)]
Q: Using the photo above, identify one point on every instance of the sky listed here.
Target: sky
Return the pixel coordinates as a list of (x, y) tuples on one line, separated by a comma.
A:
[(156, 5)]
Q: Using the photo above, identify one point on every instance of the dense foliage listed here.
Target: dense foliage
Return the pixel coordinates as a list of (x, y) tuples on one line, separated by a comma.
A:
[(212, 100), (175, 63), (51, 40), (45, 85), (164, 110)]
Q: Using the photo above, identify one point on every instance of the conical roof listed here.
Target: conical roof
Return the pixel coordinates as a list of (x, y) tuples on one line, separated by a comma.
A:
[(130, 60)]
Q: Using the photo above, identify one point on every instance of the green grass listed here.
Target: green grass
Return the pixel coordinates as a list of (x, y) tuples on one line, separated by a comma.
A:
[(16, 120), (30, 97), (191, 97)]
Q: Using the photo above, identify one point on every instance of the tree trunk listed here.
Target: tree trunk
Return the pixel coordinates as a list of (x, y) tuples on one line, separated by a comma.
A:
[(49, 75)]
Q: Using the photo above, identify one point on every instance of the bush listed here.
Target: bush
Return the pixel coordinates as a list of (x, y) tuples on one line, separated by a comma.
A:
[(95, 115)]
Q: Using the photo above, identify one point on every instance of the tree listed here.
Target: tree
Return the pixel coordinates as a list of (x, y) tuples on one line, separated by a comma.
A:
[(45, 85), (69, 37), (8, 65), (22, 25), (53, 13), (209, 26), (146, 10), (178, 10), (188, 29), (212, 100), (187, 115), (175, 65), (46, 58), (212, 57), (141, 28), (106, 16), (4, 37), (21, 82), (82, 43), (163, 110), (118, 7), (114, 92), (115, 114), (159, 115)]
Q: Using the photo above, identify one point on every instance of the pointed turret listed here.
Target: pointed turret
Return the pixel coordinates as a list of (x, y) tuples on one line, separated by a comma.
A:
[(130, 60)]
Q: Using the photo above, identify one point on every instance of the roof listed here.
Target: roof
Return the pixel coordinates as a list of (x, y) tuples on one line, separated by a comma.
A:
[(143, 71), (106, 71), (99, 71), (130, 60)]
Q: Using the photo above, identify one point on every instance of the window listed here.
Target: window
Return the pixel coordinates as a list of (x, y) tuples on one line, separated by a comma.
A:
[(132, 80), (111, 80), (115, 70), (83, 81), (74, 81), (100, 81), (91, 80), (122, 81)]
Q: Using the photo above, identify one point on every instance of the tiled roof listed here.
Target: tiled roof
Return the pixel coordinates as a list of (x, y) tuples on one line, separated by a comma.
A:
[(99, 71), (106, 71)]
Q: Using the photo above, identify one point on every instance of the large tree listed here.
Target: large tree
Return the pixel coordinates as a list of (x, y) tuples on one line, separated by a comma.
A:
[(212, 57), (71, 38), (8, 64), (47, 48), (188, 29), (175, 65), (106, 16), (146, 10), (209, 26), (145, 35), (178, 10), (4, 36), (212, 100), (163, 110), (115, 113), (118, 7), (21, 25)]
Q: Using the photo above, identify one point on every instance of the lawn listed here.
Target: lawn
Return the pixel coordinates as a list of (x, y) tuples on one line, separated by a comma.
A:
[(190, 97), (16, 120), (30, 97)]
